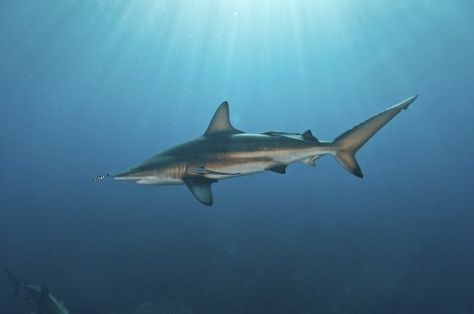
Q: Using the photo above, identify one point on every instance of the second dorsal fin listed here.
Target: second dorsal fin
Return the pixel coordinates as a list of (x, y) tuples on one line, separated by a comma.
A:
[(220, 122), (307, 135)]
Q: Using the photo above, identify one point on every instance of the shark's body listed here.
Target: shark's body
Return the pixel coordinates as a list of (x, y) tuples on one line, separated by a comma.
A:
[(43, 300), (224, 152)]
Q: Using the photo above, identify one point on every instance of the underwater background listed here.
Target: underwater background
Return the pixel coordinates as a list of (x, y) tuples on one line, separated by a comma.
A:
[(90, 87)]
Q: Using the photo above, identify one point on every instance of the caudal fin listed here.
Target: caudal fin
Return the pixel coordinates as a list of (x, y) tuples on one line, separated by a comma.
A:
[(348, 143), (16, 283)]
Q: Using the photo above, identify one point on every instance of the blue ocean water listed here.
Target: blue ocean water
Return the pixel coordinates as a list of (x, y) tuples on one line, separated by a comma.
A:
[(90, 87)]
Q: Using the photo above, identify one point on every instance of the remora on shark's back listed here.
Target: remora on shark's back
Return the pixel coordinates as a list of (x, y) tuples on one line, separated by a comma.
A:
[(224, 152)]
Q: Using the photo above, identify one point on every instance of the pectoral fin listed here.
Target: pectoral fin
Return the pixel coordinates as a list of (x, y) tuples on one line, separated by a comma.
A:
[(201, 188)]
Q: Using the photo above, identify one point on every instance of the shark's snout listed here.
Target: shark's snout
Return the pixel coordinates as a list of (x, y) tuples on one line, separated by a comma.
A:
[(125, 175)]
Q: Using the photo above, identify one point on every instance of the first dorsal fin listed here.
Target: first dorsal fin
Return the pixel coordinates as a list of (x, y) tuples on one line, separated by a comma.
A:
[(220, 122)]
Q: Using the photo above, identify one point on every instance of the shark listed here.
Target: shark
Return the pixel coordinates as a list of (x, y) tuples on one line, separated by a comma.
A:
[(43, 300), (225, 152)]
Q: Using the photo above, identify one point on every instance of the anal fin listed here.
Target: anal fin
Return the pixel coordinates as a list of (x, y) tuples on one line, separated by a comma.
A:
[(280, 168)]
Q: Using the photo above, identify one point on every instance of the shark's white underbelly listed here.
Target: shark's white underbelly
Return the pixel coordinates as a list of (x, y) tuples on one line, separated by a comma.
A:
[(158, 180), (238, 170), (262, 161)]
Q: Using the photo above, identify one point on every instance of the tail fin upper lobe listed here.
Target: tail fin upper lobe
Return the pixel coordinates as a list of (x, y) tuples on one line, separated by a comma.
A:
[(348, 143)]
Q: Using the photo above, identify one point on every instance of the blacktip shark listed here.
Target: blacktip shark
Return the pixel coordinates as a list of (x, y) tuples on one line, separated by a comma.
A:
[(43, 300), (224, 152)]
